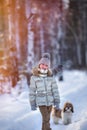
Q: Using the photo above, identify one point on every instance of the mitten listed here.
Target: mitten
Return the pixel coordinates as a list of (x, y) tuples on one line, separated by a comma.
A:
[(33, 107), (56, 105)]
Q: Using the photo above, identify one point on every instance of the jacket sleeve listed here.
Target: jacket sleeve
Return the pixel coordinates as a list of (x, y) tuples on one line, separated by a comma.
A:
[(55, 92), (32, 92)]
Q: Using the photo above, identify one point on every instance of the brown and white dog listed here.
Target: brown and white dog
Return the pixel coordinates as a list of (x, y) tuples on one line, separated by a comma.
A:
[(65, 114)]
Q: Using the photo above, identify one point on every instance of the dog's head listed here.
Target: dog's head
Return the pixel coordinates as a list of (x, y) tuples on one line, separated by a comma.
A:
[(68, 107)]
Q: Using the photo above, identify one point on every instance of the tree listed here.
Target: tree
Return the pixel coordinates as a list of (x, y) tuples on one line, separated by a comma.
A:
[(77, 29)]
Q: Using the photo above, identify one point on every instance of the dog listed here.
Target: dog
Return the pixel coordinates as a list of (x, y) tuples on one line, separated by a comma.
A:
[(65, 114)]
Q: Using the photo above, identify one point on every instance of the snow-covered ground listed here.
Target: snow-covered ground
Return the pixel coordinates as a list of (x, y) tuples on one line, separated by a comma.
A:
[(15, 112)]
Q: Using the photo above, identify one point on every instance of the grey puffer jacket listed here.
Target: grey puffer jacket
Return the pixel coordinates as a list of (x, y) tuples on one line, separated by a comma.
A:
[(43, 90)]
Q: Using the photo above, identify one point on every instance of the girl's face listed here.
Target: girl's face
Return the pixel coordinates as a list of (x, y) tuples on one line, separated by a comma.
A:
[(43, 68)]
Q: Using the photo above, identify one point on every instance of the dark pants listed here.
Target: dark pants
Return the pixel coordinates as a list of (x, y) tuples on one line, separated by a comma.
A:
[(45, 111)]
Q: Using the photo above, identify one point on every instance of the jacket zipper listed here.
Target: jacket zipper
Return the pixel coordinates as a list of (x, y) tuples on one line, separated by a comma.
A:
[(46, 91)]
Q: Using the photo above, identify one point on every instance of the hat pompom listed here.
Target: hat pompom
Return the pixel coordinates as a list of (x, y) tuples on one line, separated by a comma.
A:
[(46, 55)]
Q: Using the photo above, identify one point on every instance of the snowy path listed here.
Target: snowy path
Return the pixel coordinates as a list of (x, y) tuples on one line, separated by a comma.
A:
[(15, 113)]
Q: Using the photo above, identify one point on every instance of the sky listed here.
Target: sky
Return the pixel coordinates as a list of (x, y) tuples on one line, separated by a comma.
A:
[(15, 110)]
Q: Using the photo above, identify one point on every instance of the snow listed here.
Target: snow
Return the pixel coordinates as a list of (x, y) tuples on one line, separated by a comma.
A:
[(16, 114)]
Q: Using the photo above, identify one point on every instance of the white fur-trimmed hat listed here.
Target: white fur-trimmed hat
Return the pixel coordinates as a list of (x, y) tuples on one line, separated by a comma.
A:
[(45, 59)]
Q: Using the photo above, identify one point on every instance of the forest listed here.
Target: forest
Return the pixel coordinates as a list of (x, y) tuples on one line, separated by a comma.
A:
[(29, 28)]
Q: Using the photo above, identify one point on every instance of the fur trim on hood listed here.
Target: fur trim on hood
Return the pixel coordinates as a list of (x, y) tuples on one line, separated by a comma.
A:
[(35, 72)]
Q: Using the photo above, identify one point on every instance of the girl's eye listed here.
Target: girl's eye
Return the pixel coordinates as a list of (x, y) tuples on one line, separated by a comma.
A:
[(46, 65)]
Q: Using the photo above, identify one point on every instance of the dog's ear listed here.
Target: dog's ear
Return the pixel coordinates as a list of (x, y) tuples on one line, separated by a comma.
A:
[(72, 109), (64, 109)]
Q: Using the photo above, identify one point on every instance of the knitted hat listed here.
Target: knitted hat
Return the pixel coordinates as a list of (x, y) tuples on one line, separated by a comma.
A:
[(45, 59)]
